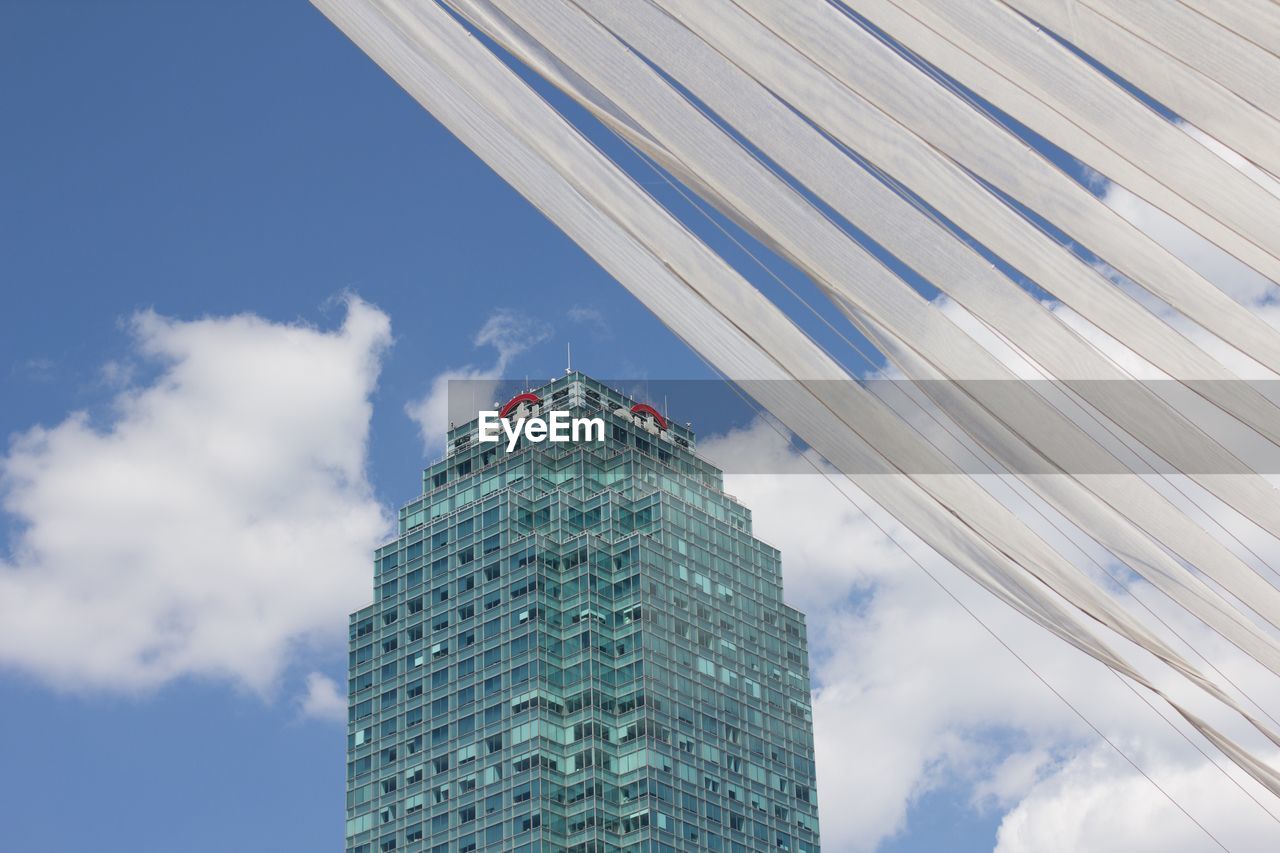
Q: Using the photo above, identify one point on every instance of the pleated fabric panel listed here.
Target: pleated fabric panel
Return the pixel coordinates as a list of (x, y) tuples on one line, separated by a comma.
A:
[(1196, 97), (807, 86)]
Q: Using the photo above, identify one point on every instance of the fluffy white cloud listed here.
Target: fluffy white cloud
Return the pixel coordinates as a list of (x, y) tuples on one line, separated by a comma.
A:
[(913, 694), (509, 333), (1094, 803), (218, 520), (898, 707), (324, 699)]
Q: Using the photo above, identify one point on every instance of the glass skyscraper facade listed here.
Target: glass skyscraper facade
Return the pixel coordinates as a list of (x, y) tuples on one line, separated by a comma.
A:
[(579, 647)]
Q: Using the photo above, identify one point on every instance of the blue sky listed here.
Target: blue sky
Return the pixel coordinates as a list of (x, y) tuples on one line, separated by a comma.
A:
[(242, 158), (214, 159)]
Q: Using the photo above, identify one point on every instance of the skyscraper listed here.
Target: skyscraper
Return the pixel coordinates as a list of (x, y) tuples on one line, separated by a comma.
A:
[(578, 646)]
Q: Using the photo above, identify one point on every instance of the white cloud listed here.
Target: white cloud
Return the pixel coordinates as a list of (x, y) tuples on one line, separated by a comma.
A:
[(117, 374), (324, 699), (37, 369), (912, 694), (896, 708), (1010, 779), (594, 321), (219, 520), (509, 333), (1095, 804)]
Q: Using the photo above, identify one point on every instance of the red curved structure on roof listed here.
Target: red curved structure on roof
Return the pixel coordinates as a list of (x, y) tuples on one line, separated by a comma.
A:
[(527, 397), (646, 409)]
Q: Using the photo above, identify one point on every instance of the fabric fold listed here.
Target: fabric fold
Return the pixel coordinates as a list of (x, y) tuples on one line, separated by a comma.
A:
[(814, 58), (708, 305)]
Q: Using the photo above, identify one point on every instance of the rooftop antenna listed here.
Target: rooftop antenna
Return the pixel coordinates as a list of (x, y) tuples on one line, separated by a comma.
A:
[(568, 358)]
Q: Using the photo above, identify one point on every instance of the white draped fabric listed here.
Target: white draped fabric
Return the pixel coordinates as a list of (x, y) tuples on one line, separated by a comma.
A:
[(865, 66), (1197, 98), (1005, 94), (920, 242), (1197, 40), (805, 84), (1255, 20), (1015, 48)]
